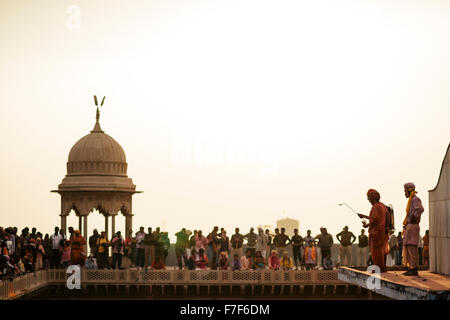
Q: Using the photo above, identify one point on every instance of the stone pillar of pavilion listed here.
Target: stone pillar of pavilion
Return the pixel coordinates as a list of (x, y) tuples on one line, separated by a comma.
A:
[(96, 179), (439, 202)]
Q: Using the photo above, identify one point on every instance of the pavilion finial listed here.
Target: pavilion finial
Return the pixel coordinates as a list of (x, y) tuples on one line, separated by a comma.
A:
[(97, 127)]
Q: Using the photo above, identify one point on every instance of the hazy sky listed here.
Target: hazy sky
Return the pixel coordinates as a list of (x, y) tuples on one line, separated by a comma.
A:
[(229, 111)]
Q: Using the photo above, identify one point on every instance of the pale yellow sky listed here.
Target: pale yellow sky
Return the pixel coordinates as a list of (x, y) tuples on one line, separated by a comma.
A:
[(229, 111)]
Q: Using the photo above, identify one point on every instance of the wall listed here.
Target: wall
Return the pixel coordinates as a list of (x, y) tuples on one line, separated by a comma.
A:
[(439, 212)]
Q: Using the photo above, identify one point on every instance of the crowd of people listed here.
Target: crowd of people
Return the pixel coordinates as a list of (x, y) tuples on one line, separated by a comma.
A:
[(28, 252)]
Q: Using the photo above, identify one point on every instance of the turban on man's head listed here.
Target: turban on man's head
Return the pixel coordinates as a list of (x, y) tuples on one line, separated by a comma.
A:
[(410, 186), (373, 194)]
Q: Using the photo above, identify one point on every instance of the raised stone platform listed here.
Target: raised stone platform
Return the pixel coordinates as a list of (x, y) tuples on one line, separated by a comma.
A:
[(427, 286)]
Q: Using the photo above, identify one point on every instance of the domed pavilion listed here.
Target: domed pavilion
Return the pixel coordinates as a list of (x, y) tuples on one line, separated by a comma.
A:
[(97, 179)]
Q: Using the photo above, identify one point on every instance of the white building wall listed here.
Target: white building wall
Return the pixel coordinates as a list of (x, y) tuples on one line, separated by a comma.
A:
[(439, 213)]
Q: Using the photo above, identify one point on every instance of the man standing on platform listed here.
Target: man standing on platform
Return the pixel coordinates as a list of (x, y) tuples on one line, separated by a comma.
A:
[(237, 240), (297, 243), (281, 240), (346, 238), (377, 229), (325, 243), (55, 258), (411, 230), (363, 249)]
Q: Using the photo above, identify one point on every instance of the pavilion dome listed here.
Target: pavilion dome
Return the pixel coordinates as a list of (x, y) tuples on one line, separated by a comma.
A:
[(97, 154)]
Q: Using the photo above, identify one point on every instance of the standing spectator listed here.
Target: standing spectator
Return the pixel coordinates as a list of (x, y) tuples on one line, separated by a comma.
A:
[(212, 247), (310, 256), (378, 233), (40, 253), (346, 238), (247, 260), (71, 233), (55, 257), (148, 240), (251, 241), (426, 248), (273, 247), (390, 259), (78, 256), (47, 248), (93, 243), (140, 251), (65, 256), (165, 245), (281, 240), (191, 244), (224, 244), (102, 250), (181, 245), (325, 243), (200, 241), (399, 252), (420, 248), (261, 242), (269, 244), (411, 229), (363, 249), (159, 249), (24, 241), (286, 262), (297, 243), (33, 234), (307, 239), (274, 261), (237, 240), (117, 244)]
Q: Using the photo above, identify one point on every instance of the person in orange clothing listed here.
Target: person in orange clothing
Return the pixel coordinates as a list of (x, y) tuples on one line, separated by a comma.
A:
[(377, 229), (78, 256)]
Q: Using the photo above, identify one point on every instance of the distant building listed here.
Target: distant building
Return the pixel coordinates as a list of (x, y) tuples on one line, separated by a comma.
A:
[(266, 226), (288, 224)]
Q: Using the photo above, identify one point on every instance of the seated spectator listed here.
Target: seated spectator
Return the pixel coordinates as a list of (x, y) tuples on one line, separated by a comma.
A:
[(201, 260), (260, 262), (286, 261), (91, 263), (274, 261), (223, 261), (328, 263), (191, 260), (158, 264), (236, 264), (247, 260)]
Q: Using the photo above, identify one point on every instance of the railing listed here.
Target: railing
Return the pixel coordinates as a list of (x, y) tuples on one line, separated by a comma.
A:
[(33, 281)]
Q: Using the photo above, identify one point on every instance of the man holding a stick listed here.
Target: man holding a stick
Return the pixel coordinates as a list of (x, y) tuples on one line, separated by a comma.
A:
[(377, 229)]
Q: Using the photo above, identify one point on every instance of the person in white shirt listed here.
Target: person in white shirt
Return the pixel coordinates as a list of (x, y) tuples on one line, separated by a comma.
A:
[(261, 242), (55, 258)]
